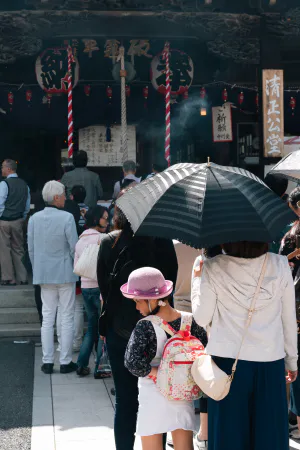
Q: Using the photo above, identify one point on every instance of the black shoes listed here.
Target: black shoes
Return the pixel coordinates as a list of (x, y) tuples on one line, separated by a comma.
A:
[(68, 368), (47, 368), (83, 371)]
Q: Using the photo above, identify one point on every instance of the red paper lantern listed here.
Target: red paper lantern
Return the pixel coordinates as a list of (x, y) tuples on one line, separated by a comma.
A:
[(202, 93), (87, 90), (257, 101), (28, 95), (109, 92), (145, 95), (186, 95), (225, 95), (293, 105), (146, 92), (241, 98), (49, 98), (127, 91), (10, 98)]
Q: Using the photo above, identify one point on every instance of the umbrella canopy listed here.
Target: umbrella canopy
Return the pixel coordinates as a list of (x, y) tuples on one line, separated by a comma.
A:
[(288, 167), (204, 205)]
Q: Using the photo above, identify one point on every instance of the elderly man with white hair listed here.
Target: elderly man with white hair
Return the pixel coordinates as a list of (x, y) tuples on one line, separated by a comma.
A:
[(52, 237)]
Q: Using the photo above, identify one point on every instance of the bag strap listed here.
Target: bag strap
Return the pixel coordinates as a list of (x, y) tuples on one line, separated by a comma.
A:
[(250, 312), (162, 324), (186, 321)]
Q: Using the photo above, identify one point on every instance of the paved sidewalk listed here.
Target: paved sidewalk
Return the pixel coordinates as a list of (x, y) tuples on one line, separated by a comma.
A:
[(71, 413)]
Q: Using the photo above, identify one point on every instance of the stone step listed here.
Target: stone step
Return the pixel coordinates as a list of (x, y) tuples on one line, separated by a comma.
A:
[(20, 330), (19, 316), (16, 297)]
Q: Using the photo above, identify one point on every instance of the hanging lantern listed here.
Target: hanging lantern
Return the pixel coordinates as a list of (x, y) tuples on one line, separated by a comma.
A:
[(181, 64), (186, 95), (241, 98), (127, 91), (293, 105), (52, 70), (28, 96), (87, 89), (49, 98), (109, 92), (10, 99), (145, 95), (225, 95), (202, 93)]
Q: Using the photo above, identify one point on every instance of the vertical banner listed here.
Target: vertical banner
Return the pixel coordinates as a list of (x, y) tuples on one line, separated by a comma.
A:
[(222, 123), (273, 113)]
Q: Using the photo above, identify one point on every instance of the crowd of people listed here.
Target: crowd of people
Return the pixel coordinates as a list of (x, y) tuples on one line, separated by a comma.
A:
[(167, 284)]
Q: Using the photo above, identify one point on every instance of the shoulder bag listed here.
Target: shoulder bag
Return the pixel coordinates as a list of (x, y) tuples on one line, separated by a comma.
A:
[(213, 381), (86, 265)]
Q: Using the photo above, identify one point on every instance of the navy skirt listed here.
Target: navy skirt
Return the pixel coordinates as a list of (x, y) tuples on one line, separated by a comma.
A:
[(254, 415)]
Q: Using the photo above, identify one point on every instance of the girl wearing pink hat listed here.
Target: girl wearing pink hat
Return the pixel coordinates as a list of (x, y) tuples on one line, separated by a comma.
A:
[(157, 415)]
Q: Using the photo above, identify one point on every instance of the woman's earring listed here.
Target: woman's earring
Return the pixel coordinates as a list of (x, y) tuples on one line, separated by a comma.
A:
[(161, 303)]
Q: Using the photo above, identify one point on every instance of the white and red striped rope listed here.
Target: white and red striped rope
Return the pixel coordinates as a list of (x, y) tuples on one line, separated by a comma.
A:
[(70, 103), (166, 53)]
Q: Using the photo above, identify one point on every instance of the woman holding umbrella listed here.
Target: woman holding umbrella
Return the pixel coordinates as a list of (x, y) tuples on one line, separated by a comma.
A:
[(222, 292)]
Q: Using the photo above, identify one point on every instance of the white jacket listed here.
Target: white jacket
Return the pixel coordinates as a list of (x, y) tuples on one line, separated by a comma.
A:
[(221, 299)]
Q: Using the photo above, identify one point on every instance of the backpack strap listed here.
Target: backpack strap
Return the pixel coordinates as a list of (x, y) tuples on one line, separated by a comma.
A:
[(162, 324), (186, 321)]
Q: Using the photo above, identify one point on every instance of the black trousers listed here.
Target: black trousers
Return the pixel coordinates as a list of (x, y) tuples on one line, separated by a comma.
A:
[(126, 386)]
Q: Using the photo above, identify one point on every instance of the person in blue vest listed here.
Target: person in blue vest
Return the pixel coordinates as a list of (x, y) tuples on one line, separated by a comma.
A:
[(14, 207)]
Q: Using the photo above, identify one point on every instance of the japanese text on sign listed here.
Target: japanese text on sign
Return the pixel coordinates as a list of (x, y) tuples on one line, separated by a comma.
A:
[(222, 123), (106, 154), (273, 113)]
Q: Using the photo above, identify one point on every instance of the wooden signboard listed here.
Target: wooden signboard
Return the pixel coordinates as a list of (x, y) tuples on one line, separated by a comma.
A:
[(222, 123), (273, 113)]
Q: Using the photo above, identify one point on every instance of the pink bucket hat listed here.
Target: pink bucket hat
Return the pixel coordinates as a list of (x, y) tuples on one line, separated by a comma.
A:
[(147, 283)]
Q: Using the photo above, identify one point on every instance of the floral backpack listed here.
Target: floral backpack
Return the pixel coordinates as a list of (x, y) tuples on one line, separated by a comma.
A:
[(174, 378)]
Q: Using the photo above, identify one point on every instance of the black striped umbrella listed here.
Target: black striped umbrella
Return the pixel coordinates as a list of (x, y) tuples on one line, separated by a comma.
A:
[(204, 205)]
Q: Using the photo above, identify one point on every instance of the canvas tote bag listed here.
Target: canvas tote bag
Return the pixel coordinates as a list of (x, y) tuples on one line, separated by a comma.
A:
[(213, 381), (86, 265)]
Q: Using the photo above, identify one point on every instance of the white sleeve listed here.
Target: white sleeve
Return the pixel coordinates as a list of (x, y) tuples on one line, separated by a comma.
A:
[(289, 322), (204, 298)]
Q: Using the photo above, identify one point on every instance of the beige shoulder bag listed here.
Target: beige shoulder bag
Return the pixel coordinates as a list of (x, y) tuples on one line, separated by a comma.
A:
[(213, 381)]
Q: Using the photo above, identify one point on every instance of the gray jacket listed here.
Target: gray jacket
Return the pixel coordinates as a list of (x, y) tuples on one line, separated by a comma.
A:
[(52, 237), (81, 176)]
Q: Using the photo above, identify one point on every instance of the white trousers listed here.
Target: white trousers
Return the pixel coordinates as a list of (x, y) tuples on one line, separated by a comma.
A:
[(54, 295), (78, 322)]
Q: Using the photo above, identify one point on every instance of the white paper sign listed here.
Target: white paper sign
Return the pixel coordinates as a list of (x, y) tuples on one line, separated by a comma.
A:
[(106, 154), (222, 123)]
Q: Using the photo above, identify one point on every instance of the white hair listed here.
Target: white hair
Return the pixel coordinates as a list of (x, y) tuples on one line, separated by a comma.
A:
[(51, 189)]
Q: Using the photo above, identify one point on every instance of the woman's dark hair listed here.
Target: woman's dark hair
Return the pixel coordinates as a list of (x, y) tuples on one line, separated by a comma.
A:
[(294, 197), (79, 193), (246, 249), (276, 184), (93, 216), (292, 234), (80, 159), (120, 220), (211, 252)]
